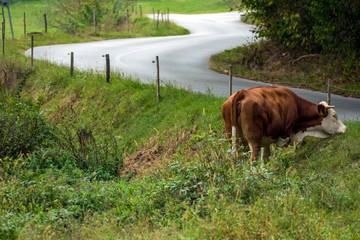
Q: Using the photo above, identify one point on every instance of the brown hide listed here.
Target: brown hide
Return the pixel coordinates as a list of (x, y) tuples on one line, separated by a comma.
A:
[(267, 113)]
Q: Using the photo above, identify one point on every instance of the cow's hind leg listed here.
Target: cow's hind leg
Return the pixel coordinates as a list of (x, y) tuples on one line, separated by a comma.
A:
[(266, 154), (255, 149)]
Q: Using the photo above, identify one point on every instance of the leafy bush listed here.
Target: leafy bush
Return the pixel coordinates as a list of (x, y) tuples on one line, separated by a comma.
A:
[(307, 25), (97, 154), (13, 75), (22, 128), (76, 16)]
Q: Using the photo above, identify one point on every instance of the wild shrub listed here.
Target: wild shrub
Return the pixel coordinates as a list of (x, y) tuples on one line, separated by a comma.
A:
[(308, 26), (22, 128), (93, 153), (12, 76), (76, 16)]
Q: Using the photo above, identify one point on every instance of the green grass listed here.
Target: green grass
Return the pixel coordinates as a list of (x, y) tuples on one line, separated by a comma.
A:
[(182, 184), (184, 6), (194, 189), (34, 17), (34, 10), (267, 62)]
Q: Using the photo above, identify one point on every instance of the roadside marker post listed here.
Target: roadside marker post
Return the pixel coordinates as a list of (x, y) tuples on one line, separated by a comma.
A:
[(24, 24), (72, 64), (230, 78), (157, 78), (5, 3), (107, 59), (32, 35)]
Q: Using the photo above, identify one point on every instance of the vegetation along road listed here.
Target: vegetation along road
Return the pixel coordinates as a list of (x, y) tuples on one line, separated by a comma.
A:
[(183, 59), (81, 158)]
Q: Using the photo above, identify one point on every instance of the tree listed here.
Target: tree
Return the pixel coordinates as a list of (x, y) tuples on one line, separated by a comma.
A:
[(310, 26)]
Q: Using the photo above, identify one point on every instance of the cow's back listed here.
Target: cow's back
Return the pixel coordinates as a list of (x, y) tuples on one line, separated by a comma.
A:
[(272, 111)]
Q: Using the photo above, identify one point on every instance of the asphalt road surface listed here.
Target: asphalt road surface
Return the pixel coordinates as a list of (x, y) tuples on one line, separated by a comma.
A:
[(183, 59)]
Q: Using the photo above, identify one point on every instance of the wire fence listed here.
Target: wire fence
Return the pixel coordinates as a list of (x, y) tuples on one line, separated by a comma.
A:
[(327, 86), (164, 17)]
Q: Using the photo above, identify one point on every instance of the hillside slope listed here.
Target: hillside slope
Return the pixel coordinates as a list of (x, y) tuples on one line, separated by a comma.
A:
[(161, 170)]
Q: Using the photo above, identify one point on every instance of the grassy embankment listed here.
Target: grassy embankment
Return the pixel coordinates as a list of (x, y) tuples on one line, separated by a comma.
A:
[(180, 183), (266, 62), (186, 7)]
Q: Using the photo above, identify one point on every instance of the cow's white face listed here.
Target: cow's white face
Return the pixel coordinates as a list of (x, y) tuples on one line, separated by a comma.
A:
[(330, 125)]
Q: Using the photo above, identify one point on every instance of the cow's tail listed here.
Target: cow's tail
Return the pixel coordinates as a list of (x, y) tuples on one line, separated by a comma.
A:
[(235, 112)]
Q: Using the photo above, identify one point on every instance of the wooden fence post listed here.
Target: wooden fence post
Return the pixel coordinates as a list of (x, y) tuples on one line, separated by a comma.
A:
[(230, 78), (328, 91), (158, 19), (157, 79), (168, 15), (45, 23), (32, 35), (32, 51), (3, 36), (24, 24), (72, 64), (94, 20), (107, 59), (127, 20)]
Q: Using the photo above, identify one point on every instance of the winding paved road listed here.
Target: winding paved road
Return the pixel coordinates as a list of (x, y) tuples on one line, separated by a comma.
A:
[(183, 59)]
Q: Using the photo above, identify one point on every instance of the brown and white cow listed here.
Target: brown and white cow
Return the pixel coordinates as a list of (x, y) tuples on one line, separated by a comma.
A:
[(261, 116)]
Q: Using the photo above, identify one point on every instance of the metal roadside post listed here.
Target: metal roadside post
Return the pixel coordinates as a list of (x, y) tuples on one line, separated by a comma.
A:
[(5, 3), (3, 32)]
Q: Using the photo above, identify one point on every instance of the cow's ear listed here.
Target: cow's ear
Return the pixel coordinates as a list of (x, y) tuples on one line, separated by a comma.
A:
[(322, 110)]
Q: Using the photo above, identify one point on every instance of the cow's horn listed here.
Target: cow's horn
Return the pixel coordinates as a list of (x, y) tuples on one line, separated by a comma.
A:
[(326, 105)]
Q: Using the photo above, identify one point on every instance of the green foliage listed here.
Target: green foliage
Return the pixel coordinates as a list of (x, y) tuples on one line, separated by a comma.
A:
[(69, 192), (67, 186), (13, 75), (269, 62), (181, 6), (308, 25), (76, 16), (96, 154), (22, 128)]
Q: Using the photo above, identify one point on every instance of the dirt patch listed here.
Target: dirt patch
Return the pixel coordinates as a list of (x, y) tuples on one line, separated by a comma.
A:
[(153, 155)]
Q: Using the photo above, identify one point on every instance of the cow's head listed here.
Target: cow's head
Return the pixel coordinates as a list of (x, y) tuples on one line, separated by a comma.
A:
[(330, 123)]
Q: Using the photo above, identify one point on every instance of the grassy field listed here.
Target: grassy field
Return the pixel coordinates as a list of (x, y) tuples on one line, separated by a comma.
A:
[(108, 161), (188, 6), (35, 10), (161, 170)]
